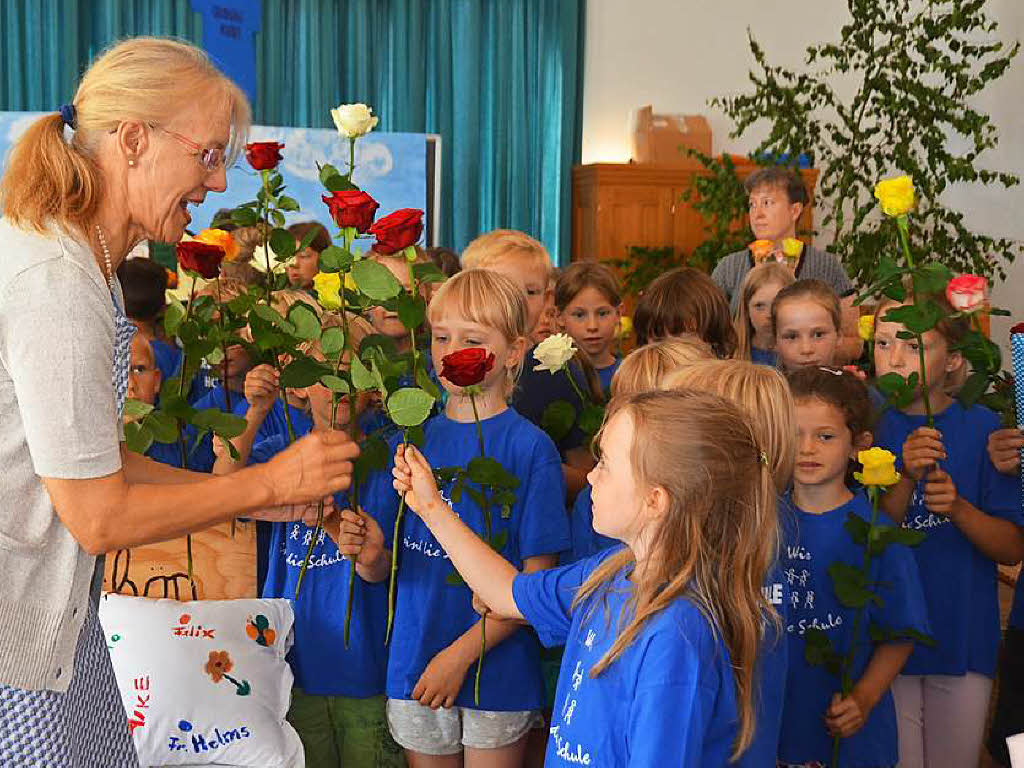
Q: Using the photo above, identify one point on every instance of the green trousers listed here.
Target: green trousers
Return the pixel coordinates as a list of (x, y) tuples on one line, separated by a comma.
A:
[(338, 731)]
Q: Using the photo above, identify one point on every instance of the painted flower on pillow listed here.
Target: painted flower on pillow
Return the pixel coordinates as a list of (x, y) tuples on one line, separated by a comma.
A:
[(218, 664)]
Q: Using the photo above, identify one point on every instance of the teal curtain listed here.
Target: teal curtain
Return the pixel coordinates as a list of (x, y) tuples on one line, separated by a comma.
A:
[(499, 80)]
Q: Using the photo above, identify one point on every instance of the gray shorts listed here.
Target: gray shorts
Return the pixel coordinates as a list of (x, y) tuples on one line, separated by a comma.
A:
[(446, 731)]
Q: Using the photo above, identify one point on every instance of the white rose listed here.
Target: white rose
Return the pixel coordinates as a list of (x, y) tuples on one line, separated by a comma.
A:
[(353, 120), (554, 352)]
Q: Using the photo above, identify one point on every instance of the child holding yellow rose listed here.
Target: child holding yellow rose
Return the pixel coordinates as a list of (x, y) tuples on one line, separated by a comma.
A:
[(833, 418), (971, 515)]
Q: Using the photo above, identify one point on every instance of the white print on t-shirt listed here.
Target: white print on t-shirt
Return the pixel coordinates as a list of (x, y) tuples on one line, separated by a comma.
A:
[(573, 753), (804, 601), (772, 593), (318, 560), (925, 522), (424, 546)]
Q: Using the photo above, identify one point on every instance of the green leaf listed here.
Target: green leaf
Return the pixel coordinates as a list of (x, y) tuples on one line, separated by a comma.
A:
[(428, 272), (483, 470), (137, 438), (162, 426), (305, 321), (173, 316), (337, 183), (426, 383), (558, 419), (289, 204), (272, 316), (335, 259), (916, 318), (591, 419), (303, 371), (375, 280), (972, 390), (818, 651), (282, 242), (373, 456), (412, 310), (134, 409), (244, 217), (362, 378), (851, 586), (332, 342), (409, 406), (335, 384), (931, 278), (222, 424)]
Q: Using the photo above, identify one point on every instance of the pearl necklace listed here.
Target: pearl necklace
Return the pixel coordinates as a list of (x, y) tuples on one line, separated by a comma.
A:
[(106, 257)]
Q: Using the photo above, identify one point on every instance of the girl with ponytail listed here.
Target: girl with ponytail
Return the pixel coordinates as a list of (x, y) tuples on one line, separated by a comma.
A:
[(661, 635)]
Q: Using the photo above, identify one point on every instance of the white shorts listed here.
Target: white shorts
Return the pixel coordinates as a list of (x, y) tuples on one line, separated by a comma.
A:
[(446, 731)]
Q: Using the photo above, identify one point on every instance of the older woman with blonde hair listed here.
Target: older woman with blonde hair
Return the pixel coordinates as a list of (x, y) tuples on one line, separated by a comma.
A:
[(147, 134)]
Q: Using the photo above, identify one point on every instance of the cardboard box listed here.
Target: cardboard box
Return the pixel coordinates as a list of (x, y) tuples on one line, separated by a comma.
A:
[(659, 138)]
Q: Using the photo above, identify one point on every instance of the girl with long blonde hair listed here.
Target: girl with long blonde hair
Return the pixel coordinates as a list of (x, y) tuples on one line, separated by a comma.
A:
[(755, 339), (662, 635)]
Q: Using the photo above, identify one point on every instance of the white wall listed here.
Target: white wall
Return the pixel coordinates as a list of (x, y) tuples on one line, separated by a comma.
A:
[(676, 54)]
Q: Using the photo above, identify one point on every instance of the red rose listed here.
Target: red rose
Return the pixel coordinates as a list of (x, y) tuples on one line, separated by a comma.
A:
[(264, 155), (352, 208), (967, 293), (398, 230), (467, 366), (200, 257), (1018, 328)]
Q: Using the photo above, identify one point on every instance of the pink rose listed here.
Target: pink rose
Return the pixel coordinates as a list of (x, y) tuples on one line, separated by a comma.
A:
[(967, 293)]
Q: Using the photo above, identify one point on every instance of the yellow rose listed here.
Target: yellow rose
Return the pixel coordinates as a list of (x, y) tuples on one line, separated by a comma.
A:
[(792, 248), (625, 327), (896, 195), (866, 327), (761, 249), (220, 238), (328, 289), (879, 468)]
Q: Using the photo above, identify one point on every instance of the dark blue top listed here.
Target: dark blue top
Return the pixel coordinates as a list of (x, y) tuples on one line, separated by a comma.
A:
[(821, 541), (960, 583)]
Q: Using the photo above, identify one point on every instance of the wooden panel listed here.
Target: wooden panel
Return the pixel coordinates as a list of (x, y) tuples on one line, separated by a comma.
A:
[(224, 566), (616, 205)]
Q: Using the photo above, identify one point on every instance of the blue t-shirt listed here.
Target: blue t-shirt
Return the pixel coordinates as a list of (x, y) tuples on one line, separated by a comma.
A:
[(959, 581), (199, 457), (319, 660), (604, 375), (430, 611), (217, 398), (670, 697), (275, 423), (585, 540), (770, 678), (167, 358), (763, 356), (822, 540)]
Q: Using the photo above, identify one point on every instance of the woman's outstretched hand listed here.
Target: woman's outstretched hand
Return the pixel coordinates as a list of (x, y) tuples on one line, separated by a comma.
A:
[(414, 478)]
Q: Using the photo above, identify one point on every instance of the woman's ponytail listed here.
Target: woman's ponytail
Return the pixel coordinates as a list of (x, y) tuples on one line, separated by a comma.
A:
[(48, 179)]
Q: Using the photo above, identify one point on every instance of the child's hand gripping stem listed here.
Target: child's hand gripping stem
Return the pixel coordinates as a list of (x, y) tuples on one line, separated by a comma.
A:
[(486, 572)]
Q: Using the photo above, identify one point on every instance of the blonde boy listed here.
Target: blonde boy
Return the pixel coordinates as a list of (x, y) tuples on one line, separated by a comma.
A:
[(520, 258)]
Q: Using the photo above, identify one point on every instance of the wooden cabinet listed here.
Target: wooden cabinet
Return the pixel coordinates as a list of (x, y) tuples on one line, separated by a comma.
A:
[(616, 206)]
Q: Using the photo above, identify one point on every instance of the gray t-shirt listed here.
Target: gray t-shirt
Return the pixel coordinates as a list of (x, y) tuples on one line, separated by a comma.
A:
[(58, 418), (819, 265)]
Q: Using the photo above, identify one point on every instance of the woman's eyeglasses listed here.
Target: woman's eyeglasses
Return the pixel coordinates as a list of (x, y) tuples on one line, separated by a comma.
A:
[(210, 158)]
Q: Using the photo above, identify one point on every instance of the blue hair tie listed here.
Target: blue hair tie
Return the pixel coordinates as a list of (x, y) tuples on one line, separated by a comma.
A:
[(67, 113)]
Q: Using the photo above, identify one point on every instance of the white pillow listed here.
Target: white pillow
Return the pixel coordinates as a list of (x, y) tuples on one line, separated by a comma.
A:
[(204, 682)]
